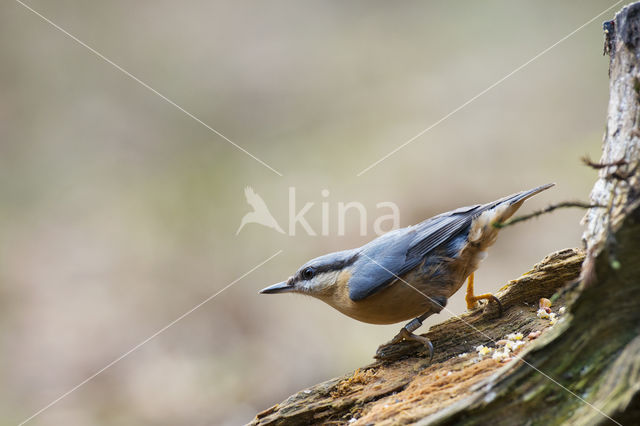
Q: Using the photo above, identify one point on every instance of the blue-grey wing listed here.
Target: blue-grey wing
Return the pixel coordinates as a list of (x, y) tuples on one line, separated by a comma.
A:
[(378, 264), (433, 232), (385, 259)]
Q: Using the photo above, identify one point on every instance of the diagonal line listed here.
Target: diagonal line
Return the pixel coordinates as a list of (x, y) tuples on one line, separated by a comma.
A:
[(492, 340), (136, 347), (145, 85), (488, 89)]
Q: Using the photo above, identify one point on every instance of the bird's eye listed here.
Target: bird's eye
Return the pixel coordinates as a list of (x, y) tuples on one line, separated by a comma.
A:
[(307, 273)]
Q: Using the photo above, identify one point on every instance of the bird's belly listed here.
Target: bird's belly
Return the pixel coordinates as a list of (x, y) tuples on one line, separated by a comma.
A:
[(411, 296), (396, 303)]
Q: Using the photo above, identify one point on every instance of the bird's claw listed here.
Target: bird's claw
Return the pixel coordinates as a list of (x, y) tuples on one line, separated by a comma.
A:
[(495, 299), (472, 303), (405, 334)]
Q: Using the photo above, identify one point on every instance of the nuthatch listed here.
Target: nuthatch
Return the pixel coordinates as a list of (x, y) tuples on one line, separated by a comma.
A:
[(409, 272)]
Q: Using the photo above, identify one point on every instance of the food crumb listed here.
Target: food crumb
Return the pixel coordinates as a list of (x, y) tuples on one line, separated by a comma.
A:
[(483, 350), (501, 355), (534, 335), (542, 313), (515, 336), (513, 346), (544, 303)]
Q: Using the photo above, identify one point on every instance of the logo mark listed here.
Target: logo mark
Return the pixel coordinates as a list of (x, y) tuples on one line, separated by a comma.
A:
[(260, 214), (297, 215)]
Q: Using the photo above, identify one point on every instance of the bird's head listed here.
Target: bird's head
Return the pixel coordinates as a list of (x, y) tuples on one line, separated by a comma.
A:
[(318, 276)]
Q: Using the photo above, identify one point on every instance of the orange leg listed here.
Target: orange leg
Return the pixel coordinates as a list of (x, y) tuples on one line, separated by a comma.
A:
[(472, 300)]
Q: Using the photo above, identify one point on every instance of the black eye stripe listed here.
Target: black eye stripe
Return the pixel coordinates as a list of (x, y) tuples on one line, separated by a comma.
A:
[(336, 266)]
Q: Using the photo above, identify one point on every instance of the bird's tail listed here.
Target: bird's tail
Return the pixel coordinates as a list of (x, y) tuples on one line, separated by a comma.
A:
[(483, 232), (507, 206), (522, 196)]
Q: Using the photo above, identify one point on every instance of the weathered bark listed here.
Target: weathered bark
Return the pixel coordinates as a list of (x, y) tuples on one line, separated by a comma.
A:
[(405, 379), (584, 370)]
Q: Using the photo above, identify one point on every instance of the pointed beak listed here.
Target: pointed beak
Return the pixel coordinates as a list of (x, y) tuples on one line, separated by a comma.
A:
[(283, 287)]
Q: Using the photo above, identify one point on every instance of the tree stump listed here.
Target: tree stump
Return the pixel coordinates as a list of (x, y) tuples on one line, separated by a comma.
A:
[(585, 369)]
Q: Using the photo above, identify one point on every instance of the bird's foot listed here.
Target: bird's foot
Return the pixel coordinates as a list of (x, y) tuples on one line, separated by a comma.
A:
[(472, 301), (407, 330), (406, 333)]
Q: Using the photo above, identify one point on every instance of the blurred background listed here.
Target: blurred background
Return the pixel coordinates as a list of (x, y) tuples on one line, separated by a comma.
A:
[(118, 212)]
